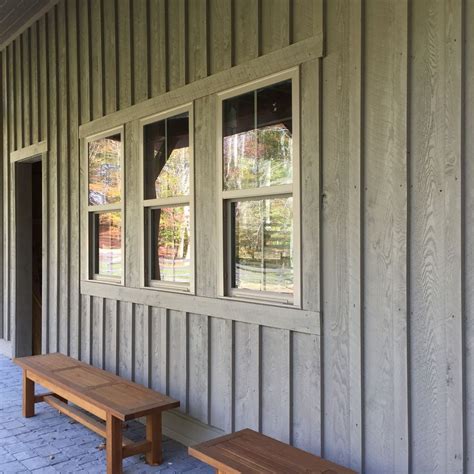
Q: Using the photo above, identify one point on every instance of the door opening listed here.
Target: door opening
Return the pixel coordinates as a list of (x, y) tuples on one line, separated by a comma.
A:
[(28, 258)]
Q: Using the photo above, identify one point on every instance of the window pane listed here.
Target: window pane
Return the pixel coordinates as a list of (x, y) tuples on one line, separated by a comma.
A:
[(167, 157), (171, 244), (257, 142), (108, 241), (105, 170), (262, 245)]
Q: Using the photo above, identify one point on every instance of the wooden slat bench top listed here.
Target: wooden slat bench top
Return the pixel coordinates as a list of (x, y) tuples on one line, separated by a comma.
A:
[(109, 393), (250, 452)]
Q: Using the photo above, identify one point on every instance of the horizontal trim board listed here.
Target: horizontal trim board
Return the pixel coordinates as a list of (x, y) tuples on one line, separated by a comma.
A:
[(292, 319), (29, 152), (266, 65)]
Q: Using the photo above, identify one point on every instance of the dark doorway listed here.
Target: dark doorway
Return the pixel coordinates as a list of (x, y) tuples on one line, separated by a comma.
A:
[(28, 257)]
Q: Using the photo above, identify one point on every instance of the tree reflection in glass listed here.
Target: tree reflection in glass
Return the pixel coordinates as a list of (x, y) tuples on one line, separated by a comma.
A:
[(257, 145), (105, 170), (171, 246), (263, 244), (108, 236)]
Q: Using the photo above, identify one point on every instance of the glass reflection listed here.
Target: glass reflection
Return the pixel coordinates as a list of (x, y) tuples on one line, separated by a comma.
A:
[(105, 170), (263, 245), (171, 245), (167, 164), (257, 144), (108, 248)]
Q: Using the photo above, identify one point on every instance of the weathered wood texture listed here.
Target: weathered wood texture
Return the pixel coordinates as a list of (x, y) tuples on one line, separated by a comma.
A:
[(394, 235), (389, 385)]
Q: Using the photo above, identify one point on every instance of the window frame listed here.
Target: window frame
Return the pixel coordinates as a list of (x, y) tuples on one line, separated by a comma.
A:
[(147, 205), (92, 210), (226, 197)]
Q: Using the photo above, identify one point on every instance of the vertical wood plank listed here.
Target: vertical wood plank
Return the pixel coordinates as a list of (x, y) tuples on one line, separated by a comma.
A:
[(110, 56), (310, 156), (3, 196), (276, 360), (306, 392), (197, 27), (18, 94), (158, 34), (275, 21), (247, 376), (8, 217), (97, 66), (126, 340), (63, 175), (220, 35), (436, 244), (221, 376), (307, 19), (98, 332), (132, 207), (198, 367), (53, 183), (84, 61), (43, 79), (245, 41), (142, 344), (385, 252), (124, 54), (140, 50), (468, 274), (158, 353), (86, 329), (206, 196), (111, 336), (176, 46), (26, 76), (74, 172), (340, 215), (178, 358), (34, 58)]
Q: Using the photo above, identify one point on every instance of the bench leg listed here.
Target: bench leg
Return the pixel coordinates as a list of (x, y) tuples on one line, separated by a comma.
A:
[(28, 396), (114, 445), (153, 434)]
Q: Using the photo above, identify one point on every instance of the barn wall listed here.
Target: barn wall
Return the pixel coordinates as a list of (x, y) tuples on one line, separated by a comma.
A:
[(387, 385)]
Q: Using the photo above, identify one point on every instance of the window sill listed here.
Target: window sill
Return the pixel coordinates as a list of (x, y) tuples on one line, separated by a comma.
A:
[(168, 289), (242, 298)]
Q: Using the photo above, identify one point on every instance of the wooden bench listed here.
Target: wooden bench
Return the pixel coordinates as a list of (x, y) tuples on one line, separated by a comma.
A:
[(101, 393), (250, 452)]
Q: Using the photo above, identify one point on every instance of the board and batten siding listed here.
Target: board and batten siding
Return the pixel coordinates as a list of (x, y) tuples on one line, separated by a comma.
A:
[(387, 173)]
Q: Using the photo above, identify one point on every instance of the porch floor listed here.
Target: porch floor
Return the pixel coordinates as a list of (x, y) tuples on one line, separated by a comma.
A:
[(50, 442)]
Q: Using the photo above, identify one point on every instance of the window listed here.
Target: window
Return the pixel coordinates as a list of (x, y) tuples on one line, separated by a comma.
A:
[(259, 175), (167, 201), (104, 194)]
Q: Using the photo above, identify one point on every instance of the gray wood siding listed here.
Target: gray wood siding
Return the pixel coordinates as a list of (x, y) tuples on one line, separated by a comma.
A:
[(387, 222)]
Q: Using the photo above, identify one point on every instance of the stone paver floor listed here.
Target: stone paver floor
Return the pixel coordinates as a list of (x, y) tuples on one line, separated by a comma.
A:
[(51, 443)]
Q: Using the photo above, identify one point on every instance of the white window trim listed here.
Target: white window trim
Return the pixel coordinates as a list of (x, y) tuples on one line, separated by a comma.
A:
[(147, 204), (92, 210), (224, 197)]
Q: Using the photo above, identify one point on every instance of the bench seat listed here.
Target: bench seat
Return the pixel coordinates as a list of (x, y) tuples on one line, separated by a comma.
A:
[(250, 452), (105, 395)]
